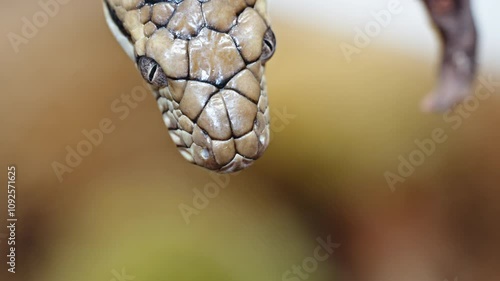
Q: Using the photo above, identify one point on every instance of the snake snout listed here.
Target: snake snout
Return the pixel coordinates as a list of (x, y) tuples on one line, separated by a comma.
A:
[(232, 128)]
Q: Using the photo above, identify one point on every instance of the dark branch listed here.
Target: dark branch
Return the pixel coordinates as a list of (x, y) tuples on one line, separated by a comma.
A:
[(455, 24)]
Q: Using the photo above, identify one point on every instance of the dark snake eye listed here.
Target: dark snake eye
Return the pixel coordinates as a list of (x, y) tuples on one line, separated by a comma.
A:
[(269, 45), (152, 72)]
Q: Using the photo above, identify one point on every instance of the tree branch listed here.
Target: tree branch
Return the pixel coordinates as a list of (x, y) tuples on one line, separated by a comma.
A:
[(455, 24)]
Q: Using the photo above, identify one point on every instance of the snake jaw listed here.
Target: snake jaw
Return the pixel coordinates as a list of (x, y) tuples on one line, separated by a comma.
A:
[(212, 55)]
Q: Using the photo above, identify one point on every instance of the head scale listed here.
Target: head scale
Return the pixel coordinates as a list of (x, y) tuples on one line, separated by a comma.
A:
[(204, 60)]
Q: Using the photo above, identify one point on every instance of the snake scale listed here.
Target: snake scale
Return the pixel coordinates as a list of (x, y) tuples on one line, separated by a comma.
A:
[(204, 61)]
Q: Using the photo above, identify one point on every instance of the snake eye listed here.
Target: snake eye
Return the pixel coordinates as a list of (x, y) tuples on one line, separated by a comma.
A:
[(152, 72), (269, 45)]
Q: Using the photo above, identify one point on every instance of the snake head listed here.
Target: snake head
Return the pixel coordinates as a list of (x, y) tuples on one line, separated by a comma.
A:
[(204, 61)]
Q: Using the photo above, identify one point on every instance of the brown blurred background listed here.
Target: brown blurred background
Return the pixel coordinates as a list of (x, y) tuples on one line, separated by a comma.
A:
[(116, 216)]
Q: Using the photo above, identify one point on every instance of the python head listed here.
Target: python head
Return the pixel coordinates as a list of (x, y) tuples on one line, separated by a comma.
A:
[(204, 61)]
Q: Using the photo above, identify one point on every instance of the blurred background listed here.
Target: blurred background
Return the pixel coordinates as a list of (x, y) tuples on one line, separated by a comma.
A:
[(346, 174)]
